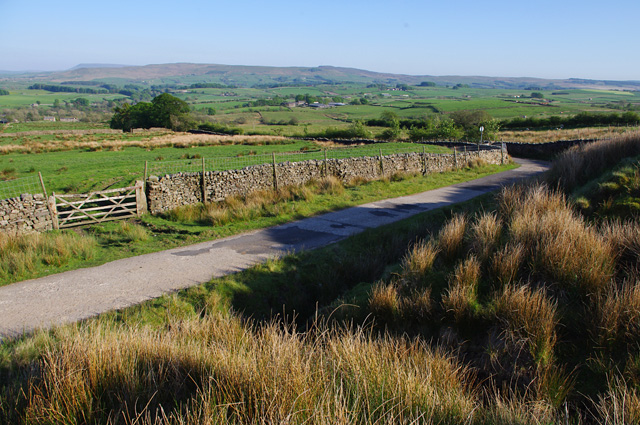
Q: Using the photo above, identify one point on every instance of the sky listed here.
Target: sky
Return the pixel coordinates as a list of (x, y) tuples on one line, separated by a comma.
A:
[(509, 38)]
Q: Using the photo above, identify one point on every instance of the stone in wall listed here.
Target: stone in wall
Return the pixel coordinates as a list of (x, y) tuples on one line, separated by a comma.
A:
[(25, 214)]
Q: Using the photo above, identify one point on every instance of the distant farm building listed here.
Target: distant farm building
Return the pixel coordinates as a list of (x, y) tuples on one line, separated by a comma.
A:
[(49, 118)]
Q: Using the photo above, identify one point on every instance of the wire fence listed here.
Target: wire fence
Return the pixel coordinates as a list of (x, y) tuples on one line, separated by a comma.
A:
[(16, 187), (196, 165)]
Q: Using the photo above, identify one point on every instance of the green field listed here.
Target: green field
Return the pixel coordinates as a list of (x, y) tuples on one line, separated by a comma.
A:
[(80, 171)]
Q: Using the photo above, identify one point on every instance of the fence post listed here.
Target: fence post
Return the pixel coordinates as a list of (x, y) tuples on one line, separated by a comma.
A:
[(455, 157), (424, 160), (326, 171), (275, 173), (146, 170), (204, 184), (502, 153), (381, 163), (51, 203), (465, 154), (44, 191)]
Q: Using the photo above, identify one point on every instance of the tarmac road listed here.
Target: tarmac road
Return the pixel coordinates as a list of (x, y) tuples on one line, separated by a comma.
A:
[(80, 294)]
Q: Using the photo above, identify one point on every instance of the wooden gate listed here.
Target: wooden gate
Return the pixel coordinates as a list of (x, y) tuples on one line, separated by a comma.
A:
[(97, 207)]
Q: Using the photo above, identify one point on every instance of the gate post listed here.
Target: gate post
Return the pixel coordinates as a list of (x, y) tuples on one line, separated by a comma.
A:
[(141, 199), (51, 203)]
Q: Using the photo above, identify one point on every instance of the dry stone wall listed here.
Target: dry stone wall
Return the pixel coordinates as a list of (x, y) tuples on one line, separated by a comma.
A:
[(173, 190), (28, 213)]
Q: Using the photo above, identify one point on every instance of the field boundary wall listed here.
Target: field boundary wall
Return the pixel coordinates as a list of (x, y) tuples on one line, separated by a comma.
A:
[(169, 191)]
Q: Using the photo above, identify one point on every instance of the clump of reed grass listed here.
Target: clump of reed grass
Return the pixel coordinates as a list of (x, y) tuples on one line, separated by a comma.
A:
[(485, 234), (620, 405), (385, 302), (461, 298), (528, 315), (507, 262), (451, 236), (559, 241), (132, 232), (418, 262), (218, 369), (617, 316)]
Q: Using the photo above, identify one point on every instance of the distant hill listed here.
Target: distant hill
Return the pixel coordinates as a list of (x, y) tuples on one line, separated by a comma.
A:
[(98, 65), (249, 76)]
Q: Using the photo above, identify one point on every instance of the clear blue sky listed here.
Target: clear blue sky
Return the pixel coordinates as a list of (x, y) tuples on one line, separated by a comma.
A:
[(548, 39)]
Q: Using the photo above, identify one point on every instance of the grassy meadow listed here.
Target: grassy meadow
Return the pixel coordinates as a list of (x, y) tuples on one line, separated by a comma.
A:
[(515, 308)]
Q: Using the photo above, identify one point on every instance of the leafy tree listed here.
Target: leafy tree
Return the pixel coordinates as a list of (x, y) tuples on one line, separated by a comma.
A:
[(169, 112), (537, 95), (427, 84), (81, 102), (4, 92), (164, 110)]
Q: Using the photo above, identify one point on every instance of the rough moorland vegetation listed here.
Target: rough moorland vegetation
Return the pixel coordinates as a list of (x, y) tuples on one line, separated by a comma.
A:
[(526, 312)]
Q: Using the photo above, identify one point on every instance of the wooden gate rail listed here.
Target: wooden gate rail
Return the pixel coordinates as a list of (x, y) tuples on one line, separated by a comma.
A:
[(97, 207)]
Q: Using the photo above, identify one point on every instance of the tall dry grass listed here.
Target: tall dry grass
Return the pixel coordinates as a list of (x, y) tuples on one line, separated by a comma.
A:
[(507, 262), (461, 299), (620, 405), (154, 140), (617, 317), (528, 315), (485, 234), (20, 253), (578, 165), (217, 370), (418, 262), (564, 134), (254, 204), (559, 242), (451, 237)]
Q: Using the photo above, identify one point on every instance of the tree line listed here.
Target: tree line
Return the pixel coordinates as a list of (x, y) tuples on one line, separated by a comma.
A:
[(583, 119)]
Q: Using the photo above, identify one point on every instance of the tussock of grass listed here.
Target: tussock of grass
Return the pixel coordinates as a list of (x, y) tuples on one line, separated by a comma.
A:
[(528, 316), (617, 317), (451, 237), (559, 241), (620, 405), (217, 370), (418, 262), (485, 234), (507, 263), (462, 297), (20, 254)]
